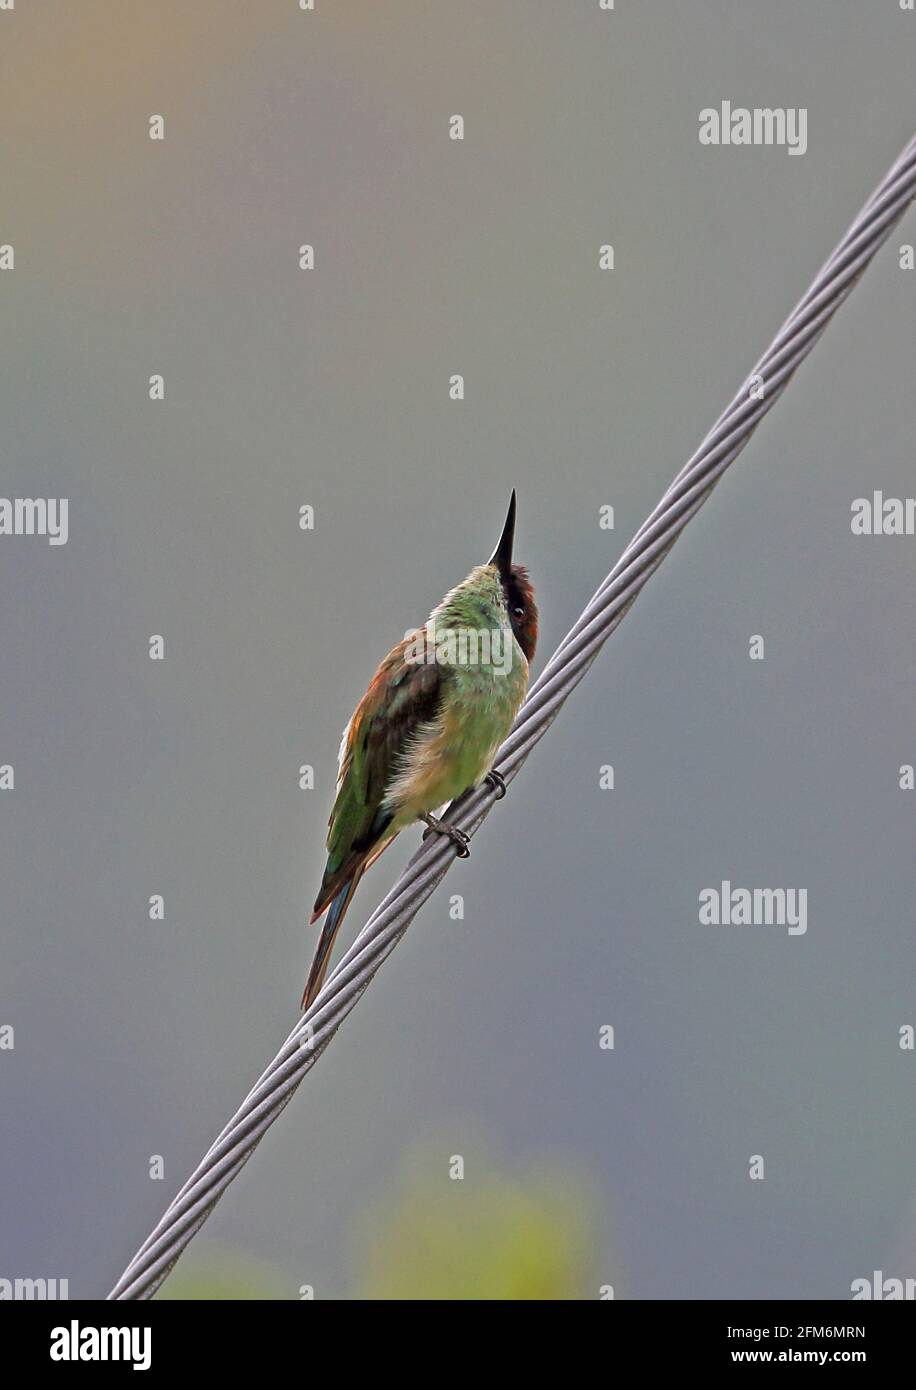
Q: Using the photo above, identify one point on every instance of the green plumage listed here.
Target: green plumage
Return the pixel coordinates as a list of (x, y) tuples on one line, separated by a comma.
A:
[(429, 725)]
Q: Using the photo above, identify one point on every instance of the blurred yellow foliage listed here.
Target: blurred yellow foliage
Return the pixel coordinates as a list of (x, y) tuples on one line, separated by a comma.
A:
[(230, 1274), (485, 1236)]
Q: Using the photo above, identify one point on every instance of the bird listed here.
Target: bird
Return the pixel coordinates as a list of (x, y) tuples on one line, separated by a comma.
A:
[(428, 728)]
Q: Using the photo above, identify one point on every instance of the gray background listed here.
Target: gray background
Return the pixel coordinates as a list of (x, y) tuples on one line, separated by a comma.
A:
[(136, 1038)]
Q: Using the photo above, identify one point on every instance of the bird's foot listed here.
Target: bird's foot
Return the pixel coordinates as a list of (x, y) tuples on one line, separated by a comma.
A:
[(441, 827), (498, 782)]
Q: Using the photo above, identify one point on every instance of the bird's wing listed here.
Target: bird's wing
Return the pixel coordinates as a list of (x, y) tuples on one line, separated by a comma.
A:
[(403, 696)]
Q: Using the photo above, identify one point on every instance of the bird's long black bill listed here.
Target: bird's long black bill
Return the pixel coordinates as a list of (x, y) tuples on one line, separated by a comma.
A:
[(502, 555)]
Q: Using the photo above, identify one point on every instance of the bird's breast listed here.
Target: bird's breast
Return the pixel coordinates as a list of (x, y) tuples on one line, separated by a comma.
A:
[(456, 750)]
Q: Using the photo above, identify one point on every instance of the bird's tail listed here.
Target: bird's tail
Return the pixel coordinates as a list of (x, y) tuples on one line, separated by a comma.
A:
[(322, 957)]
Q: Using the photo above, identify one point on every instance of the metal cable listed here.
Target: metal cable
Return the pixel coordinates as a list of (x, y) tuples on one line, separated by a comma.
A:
[(569, 663)]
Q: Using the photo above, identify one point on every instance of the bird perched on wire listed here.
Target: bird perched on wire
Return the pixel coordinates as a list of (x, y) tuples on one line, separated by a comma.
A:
[(428, 728)]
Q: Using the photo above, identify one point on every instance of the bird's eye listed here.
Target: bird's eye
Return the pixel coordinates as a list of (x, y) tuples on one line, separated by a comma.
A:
[(519, 612)]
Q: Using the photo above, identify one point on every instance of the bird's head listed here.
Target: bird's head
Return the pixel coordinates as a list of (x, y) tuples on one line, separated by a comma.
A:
[(518, 592)]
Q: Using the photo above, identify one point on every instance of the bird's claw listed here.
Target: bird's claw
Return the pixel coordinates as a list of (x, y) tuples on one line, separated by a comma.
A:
[(451, 832), (498, 782)]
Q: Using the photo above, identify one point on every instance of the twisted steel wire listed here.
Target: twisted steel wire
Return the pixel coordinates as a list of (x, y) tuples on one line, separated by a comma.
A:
[(563, 672)]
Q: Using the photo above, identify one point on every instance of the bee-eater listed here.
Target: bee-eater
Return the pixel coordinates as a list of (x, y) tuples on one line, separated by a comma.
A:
[(428, 727)]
